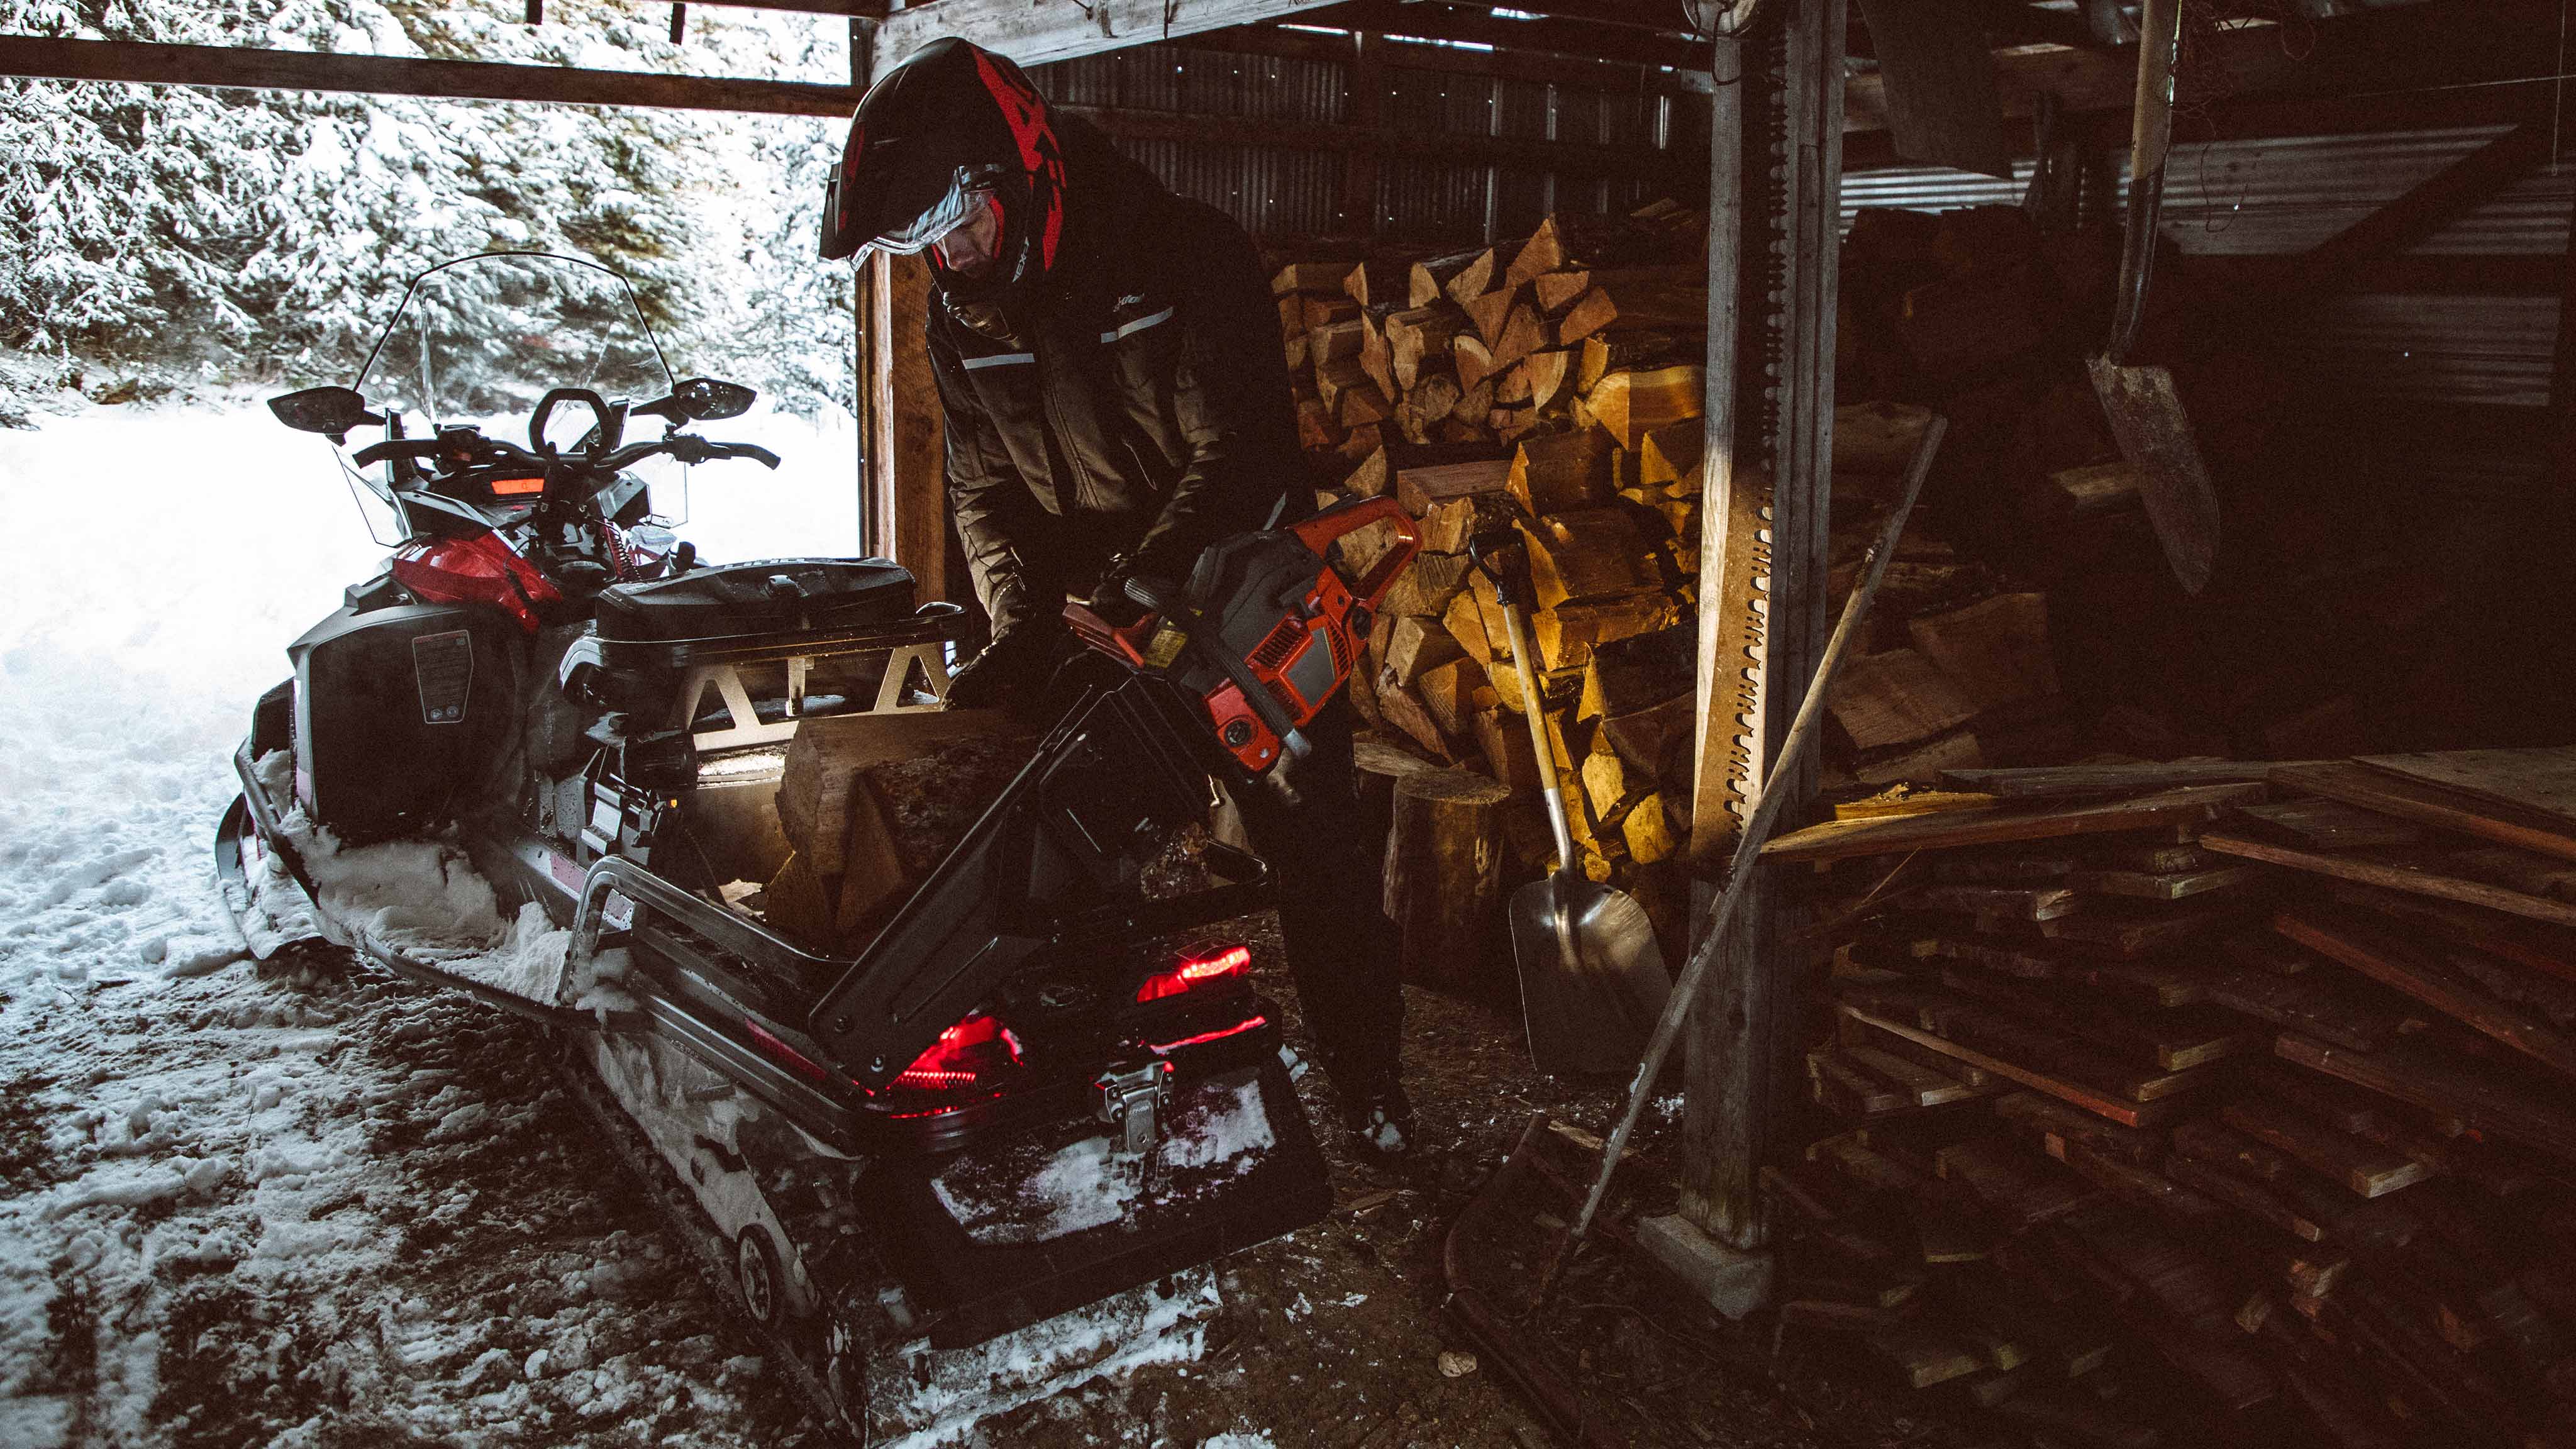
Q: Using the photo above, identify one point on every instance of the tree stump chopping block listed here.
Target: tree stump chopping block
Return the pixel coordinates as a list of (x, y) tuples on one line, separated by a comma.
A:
[(1444, 874)]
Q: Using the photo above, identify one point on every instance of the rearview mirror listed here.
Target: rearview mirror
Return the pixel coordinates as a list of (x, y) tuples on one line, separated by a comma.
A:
[(331, 411), (703, 400)]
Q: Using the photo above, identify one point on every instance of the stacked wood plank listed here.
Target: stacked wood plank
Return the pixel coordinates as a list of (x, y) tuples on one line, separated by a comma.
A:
[(2249, 1089)]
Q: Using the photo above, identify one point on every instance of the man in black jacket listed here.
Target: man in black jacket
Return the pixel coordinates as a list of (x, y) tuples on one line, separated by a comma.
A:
[(1116, 399)]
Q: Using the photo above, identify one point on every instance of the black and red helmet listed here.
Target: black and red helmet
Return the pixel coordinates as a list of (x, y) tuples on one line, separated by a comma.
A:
[(951, 127)]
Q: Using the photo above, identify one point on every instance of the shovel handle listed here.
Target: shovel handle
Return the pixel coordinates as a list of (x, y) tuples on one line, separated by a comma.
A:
[(1757, 828), (1501, 557), (2150, 133)]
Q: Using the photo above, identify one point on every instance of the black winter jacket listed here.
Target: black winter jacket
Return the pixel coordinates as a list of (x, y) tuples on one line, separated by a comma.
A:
[(1139, 405)]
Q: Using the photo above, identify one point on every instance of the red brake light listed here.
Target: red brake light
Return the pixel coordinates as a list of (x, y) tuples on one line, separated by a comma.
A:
[(968, 1054), (477, 570), (1197, 971), (785, 1055)]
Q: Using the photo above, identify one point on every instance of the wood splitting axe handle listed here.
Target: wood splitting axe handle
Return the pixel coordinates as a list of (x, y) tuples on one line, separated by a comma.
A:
[(1757, 829), (1511, 586)]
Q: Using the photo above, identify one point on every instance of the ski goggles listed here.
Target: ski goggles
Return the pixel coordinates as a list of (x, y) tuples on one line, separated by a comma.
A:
[(957, 206)]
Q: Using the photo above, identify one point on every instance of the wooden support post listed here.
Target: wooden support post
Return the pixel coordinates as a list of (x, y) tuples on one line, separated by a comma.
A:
[(1741, 1034), (1367, 111), (906, 478)]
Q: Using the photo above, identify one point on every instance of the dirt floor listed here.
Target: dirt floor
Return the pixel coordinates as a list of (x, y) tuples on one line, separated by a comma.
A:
[(311, 1206)]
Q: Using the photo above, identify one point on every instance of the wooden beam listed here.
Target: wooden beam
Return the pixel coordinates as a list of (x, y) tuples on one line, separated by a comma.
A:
[(1479, 25), (1743, 1034), (1313, 37), (242, 68), (1034, 32), (1940, 83), (1368, 113), (1536, 155), (907, 486)]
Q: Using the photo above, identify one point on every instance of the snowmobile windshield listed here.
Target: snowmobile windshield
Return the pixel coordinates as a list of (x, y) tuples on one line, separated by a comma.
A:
[(479, 340)]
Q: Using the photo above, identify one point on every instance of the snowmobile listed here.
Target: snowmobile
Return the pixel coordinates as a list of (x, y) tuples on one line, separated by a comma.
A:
[(1046, 1080)]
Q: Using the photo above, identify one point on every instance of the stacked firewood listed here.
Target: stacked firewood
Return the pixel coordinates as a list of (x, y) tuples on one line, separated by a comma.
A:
[(2203, 1102)]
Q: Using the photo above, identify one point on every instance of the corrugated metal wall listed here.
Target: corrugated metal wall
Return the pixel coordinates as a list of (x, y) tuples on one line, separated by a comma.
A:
[(2280, 196), (1279, 192)]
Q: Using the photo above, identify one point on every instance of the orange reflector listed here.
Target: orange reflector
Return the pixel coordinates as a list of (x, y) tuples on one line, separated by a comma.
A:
[(518, 487)]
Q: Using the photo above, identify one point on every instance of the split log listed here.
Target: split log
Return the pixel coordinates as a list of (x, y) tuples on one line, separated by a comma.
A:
[(1322, 312), (1550, 368), (1311, 277), (1553, 292), (1472, 280), (1638, 672), (1426, 405), (1449, 527), (1292, 316), (1466, 624), (1419, 336), (1402, 708), (1475, 403), (1511, 391), (1475, 364), (1589, 554), (1424, 589), (1364, 406), (1562, 473), (1633, 349), (1319, 428), (1420, 487), (1369, 477), (1444, 873), (1635, 304), (1338, 376), (1894, 698), (1448, 691), (1632, 404), (1506, 743), (1489, 313), (1669, 457), (1996, 651), (1523, 333), (1376, 359), (1544, 252), (1429, 280)]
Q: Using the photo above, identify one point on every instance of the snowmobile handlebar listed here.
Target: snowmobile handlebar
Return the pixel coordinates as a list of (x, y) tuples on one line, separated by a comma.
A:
[(472, 449)]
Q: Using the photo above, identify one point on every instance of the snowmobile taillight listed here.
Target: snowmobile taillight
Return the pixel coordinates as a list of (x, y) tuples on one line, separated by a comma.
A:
[(1229, 964), (969, 1054), (477, 570), (518, 487), (787, 1056)]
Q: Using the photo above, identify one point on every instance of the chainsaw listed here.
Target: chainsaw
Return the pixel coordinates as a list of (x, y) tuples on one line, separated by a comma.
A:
[(1267, 628)]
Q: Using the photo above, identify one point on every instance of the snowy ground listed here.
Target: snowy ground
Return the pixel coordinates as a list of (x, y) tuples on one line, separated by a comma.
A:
[(244, 1209)]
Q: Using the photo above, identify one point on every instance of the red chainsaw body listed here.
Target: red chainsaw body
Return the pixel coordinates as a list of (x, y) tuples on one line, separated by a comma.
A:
[(1274, 601)]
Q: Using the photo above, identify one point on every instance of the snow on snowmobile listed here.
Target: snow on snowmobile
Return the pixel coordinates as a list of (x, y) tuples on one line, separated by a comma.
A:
[(533, 758)]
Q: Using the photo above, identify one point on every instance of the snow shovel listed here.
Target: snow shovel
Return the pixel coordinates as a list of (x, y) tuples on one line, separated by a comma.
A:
[(1592, 975), (2146, 414)]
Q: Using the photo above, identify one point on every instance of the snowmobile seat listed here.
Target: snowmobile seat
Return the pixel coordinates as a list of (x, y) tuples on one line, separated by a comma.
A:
[(767, 596)]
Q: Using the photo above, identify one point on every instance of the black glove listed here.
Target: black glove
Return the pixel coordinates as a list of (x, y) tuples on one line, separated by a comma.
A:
[(1012, 669), (1110, 599)]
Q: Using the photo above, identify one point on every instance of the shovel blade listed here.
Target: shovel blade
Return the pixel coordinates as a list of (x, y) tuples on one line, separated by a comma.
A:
[(2154, 433), (1592, 976)]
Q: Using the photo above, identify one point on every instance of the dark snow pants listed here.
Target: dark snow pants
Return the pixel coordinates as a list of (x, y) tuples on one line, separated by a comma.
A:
[(1341, 947)]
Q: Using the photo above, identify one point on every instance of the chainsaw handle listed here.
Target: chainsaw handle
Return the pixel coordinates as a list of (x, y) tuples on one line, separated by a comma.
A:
[(1319, 532)]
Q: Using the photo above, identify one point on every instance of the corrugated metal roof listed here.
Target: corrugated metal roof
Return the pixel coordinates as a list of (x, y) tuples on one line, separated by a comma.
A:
[(1278, 192), (2436, 349)]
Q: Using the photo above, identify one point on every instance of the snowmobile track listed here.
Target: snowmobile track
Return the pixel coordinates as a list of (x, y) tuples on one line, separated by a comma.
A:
[(679, 1209)]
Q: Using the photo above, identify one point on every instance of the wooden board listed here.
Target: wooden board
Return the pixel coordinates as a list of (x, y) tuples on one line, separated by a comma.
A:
[(2395, 876), (2365, 1167), (2050, 782), (2408, 798), (2163, 885), (2186, 808), (2371, 950), (2306, 1004), (2045, 903), (2542, 781), (2445, 1084), (2100, 1104), (2318, 823)]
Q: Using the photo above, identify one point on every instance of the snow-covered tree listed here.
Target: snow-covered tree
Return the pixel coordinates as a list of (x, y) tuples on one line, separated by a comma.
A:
[(219, 235)]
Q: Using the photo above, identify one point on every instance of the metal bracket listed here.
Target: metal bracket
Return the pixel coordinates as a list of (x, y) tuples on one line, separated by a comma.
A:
[(1131, 1102)]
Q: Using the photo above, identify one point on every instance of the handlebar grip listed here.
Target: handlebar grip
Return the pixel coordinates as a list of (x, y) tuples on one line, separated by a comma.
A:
[(753, 451), (395, 448)]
